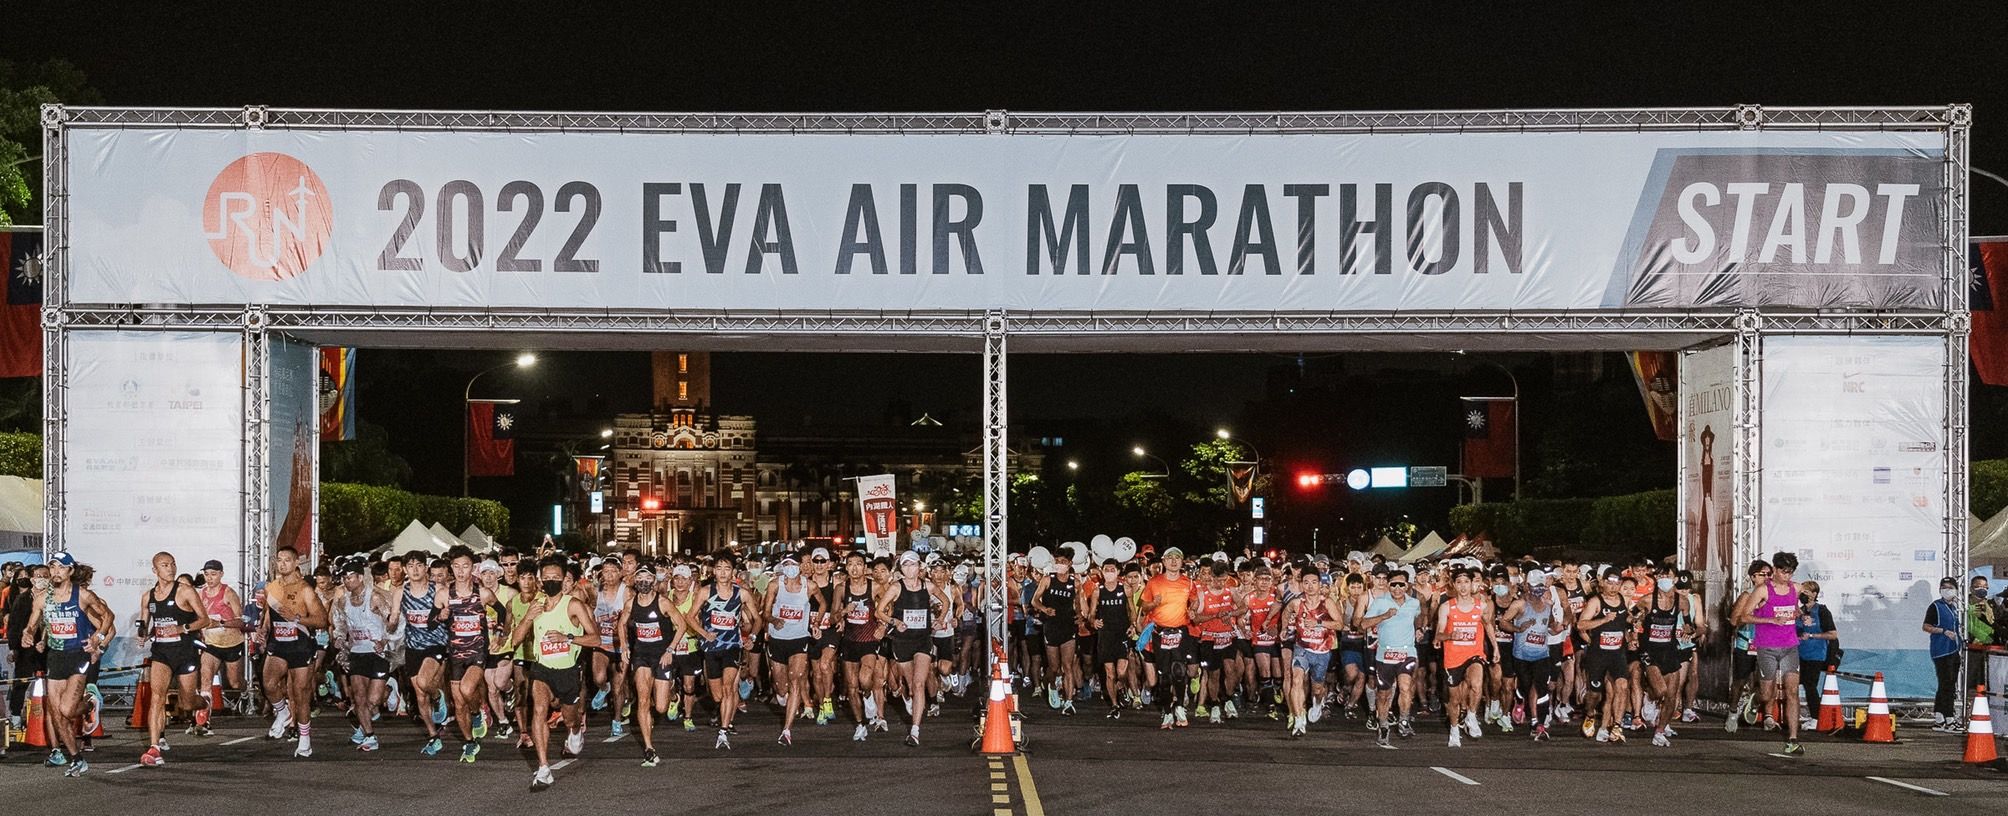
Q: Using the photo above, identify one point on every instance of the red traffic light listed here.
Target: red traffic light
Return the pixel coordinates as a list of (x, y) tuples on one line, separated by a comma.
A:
[(1309, 480), (651, 504)]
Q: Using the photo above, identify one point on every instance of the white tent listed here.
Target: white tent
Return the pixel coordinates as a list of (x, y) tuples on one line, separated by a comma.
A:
[(1386, 548), (1430, 546), (415, 538), (444, 535), (477, 540), (1989, 541), (20, 514)]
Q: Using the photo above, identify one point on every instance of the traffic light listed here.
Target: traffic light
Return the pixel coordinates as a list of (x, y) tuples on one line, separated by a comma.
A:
[(1310, 481), (651, 503)]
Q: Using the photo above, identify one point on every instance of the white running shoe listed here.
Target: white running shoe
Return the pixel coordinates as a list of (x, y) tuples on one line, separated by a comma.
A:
[(871, 707), (1492, 710), (1659, 740), (879, 725), (1214, 716), (860, 734), (282, 716), (1456, 738), (1603, 735), (575, 742), (1232, 713), (542, 779), (1178, 714), (1471, 723), (1317, 711), (1168, 722)]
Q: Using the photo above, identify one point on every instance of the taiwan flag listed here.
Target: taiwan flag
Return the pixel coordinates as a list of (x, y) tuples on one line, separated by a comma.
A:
[(491, 440), (21, 312), (1488, 436), (1988, 340)]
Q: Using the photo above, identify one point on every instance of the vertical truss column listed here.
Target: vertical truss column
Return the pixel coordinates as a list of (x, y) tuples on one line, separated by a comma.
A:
[(257, 395), (1747, 448), (1958, 324), (996, 481), (55, 334)]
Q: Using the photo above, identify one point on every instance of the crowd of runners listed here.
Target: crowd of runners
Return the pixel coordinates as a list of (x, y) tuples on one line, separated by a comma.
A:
[(531, 650)]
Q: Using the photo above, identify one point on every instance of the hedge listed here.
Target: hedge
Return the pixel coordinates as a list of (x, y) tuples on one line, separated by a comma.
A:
[(1642, 523), (1988, 487), (21, 455), (358, 517)]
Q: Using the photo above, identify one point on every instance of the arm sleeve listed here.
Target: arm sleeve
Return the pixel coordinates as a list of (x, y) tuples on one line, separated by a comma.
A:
[(1826, 619)]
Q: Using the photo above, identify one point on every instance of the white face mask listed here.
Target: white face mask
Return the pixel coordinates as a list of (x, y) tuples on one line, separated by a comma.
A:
[(791, 570), (1949, 594), (1665, 584)]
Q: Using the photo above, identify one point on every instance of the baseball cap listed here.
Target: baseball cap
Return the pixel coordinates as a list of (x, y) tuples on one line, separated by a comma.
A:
[(212, 564), (819, 552), (1536, 577), (680, 571), (64, 559), (909, 555), (1173, 552), (488, 566)]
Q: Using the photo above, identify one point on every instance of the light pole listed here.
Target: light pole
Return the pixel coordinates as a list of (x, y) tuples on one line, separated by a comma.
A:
[(1142, 454), (1516, 420), (1224, 436), (523, 360)]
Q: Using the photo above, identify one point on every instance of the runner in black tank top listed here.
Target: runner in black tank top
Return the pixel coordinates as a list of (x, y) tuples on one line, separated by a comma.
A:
[(864, 670)]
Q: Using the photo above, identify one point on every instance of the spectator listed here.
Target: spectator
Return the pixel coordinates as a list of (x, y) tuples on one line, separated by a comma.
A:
[(1819, 649), (1946, 624), (27, 661), (1983, 626)]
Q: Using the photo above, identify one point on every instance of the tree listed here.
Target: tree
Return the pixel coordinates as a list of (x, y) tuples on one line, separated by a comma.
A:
[(23, 92), (367, 459), (1143, 504)]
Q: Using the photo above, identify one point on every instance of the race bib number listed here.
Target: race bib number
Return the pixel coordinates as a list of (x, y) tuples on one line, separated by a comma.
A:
[(721, 619), (680, 646), (1784, 613), (549, 647), (1395, 656), (466, 626), (648, 632), (418, 619), (857, 614), (1661, 633), (1465, 633), (788, 613), (914, 618), (1537, 637), (1171, 638), (285, 631), (1611, 640), (63, 628), (166, 630)]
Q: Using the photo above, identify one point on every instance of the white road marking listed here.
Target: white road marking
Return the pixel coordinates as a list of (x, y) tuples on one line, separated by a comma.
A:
[(124, 769), (560, 764), (1454, 775), (240, 739), (1904, 785), (615, 739)]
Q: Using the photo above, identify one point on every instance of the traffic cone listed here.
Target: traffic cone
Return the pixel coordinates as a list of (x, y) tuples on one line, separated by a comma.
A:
[(997, 716), (1881, 727), (142, 701), (216, 694), (1980, 732), (37, 735), (1830, 706), (93, 725)]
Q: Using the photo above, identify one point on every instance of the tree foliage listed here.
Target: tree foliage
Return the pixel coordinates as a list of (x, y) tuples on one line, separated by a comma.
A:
[(357, 517), (21, 455), (24, 89)]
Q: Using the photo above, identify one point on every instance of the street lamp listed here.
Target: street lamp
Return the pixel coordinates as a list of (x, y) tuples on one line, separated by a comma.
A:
[(523, 360), (1516, 420), (1224, 436), (1139, 451), (1073, 464), (606, 433)]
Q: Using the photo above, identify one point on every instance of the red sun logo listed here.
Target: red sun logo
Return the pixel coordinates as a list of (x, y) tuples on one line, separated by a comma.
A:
[(267, 217)]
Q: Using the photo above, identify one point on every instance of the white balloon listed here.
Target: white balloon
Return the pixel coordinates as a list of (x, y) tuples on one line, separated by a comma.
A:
[(1102, 546), (1123, 549), (1079, 552), (1040, 558)]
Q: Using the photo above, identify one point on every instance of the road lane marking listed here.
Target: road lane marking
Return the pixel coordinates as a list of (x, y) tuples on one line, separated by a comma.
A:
[(560, 764), (615, 739), (1000, 799), (124, 769), (1454, 775), (1904, 785), (1027, 789), (240, 739)]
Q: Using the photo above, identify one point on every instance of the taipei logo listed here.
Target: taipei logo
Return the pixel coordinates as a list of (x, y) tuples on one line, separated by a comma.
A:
[(267, 217)]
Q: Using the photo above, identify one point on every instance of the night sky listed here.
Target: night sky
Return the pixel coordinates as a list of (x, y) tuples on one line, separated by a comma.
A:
[(752, 57)]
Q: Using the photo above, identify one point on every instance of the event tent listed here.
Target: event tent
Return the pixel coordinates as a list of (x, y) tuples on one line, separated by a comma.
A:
[(415, 538), (1430, 546), (20, 515), (476, 539), (440, 532), (1989, 541), (1386, 548)]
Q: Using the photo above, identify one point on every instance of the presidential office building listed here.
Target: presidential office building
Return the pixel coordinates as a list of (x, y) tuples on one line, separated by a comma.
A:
[(686, 479)]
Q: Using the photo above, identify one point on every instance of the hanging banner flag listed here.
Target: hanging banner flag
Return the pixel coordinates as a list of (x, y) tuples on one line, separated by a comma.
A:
[(1240, 480), (1658, 379), (21, 312), (1488, 436), (338, 394), (1989, 338), (587, 469), (878, 504), (491, 440)]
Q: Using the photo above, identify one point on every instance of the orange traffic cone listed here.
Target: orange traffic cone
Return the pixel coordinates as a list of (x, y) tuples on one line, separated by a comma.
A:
[(142, 700), (997, 716), (1980, 732), (216, 694), (1830, 706), (93, 724), (34, 718), (1881, 727)]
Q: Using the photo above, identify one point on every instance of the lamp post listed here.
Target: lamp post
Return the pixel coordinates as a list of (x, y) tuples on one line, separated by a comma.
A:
[(1142, 454), (523, 360)]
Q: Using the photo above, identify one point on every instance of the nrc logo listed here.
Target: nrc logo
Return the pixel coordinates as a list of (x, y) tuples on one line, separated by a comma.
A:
[(267, 217)]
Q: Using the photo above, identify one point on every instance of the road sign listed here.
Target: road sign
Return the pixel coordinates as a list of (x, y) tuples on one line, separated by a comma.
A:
[(1428, 477), (1255, 508)]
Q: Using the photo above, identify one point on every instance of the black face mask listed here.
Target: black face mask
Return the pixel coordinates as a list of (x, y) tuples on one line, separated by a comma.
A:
[(553, 587)]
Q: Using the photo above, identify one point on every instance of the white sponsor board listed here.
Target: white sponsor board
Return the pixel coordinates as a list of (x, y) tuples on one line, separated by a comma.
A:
[(1206, 223), (153, 454), (1854, 484), (878, 509)]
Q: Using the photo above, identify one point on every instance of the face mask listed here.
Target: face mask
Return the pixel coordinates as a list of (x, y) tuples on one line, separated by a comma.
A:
[(1108, 577), (1665, 584), (1949, 594), (1501, 590), (553, 587), (41, 584), (644, 586), (790, 570)]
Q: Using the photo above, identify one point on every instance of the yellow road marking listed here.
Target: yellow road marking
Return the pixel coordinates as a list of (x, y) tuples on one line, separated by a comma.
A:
[(1027, 789), (997, 786), (1000, 799)]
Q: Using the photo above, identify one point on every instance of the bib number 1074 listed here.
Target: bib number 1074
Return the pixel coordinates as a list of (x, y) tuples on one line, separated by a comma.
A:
[(464, 248)]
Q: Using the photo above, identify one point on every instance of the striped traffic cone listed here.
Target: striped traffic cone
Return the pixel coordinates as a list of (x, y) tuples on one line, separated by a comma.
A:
[(1881, 727), (1980, 733), (35, 718), (1830, 706)]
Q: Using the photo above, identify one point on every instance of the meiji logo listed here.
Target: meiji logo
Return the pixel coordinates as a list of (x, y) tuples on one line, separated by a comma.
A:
[(267, 216)]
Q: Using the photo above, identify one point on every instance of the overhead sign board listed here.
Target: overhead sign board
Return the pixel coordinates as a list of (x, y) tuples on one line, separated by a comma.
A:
[(1436, 476), (967, 222)]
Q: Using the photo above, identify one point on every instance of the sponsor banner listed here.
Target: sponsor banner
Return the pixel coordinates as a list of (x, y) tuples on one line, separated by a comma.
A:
[(1708, 412), (1656, 373), (878, 505), (1854, 483), (292, 385), (1207, 223), (153, 458), (337, 392)]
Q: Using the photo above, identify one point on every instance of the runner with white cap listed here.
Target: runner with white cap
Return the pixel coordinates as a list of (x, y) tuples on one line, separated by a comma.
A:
[(907, 607)]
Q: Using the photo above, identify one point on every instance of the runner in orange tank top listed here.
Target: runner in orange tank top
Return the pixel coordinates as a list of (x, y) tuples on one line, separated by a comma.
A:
[(1463, 629)]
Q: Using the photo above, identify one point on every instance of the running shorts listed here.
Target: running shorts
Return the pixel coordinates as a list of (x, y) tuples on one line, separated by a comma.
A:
[(1533, 673), (413, 656), (1600, 666), (1057, 636), (181, 657), (825, 642), (226, 654), (907, 644), (943, 647), (1388, 673), (853, 651), (651, 659), (1111, 646), (300, 656), (1665, 658), (1453, 675), (493, 661), (563, 683), (1353, 658), (688, 664), (1774, 664), (457, 665), (67, 663), (716, 662), (368, 664), (780, 650), (1270, 649), (1315, 665), (1242, 649)]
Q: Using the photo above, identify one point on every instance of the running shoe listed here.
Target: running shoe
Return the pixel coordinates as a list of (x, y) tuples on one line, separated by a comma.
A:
[(1214, 717), (1603, 735), (934, 709), (871, 707), (1115, 713), (1066, 709), (1232, 713), (1194, 684), (292, 733), (649, 758), (1770, 723), (280, 720), (1590, 728), (1404, 728), (861, 733), (368, 744), (1200, 712), (152, 759), (1628, 722), (202, 716), (724, 741), (1317, 711), (618, 729), (574, 743), (1053, 698), (480, 725), (1809, 724), (880, 725), (745, 689), (1690, 715), (675, 711), (1179, 714), (305, 748), (913, 737), (1471, 724), (600, 698), (469, 750), (1617, 735), (1163, 726), (542, 779), (689, 725), (1456, 738), (439, 712), (826, 713), (161, 744), (1649, 712), (57, 759), (77, 768), (431, 747), (1792, 749), (1380, 737), (1659, 740), (786, 739), (1540, 733), (1669, 730), (357, 736)]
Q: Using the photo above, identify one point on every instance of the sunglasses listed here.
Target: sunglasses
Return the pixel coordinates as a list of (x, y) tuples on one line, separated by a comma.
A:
[(1397, 583), (819, 560)]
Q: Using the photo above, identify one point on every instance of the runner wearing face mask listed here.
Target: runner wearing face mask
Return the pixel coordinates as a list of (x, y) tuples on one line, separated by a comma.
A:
[(789, 606), (558, 627), (1663, 659), (1536, 622), (1107, 609)]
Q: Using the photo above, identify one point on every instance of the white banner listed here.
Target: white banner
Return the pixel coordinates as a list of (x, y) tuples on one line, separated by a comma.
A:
[(1708, 402), (1053, 223), (1854, 484), (878, 507), (153, 452)]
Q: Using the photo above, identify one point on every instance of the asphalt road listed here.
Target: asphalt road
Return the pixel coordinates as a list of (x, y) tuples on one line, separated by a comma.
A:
[(1082, 764)]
